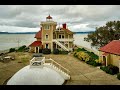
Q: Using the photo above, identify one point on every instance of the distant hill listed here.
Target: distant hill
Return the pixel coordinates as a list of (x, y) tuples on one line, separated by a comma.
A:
[(83, 32), (18, 32)]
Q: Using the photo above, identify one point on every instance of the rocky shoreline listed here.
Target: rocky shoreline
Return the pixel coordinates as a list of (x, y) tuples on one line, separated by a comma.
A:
[(4, 51)]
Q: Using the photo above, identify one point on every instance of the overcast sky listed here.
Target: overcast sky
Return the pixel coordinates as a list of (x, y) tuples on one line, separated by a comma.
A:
[(27, 18)]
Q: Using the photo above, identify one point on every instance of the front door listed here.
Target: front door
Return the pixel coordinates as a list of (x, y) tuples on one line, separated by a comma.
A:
[(40, 50), (46, 45), (37, 49), (104, 60)]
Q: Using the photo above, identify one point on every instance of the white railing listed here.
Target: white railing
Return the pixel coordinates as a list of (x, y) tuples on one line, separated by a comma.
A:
[(65, 39), (37, 62), (46, 22), (51, 61), (60, 44)]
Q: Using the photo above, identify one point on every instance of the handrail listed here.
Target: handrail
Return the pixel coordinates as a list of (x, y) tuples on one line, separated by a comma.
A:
[(64, 39), (60, 66), (55, 40)]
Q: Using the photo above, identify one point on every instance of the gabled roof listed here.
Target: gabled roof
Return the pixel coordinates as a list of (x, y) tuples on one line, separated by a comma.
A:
[(36, 43), (112, 47), (67, 30), (38, 34)]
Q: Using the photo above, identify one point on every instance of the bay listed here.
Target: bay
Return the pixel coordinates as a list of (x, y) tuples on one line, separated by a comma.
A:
[(8, 41)]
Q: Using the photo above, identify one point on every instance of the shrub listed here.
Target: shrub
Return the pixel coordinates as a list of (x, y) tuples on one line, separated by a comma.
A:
[(22, 48), (118, 76), (93, 62), (63, 52), (100, 60), (104, 68), (75, 54), (97, 61), (80, 49), (12, 50), (110, 69), (88, 57), (93, 56), (114, 69), (46, 51), (56, 51), (83, 56)]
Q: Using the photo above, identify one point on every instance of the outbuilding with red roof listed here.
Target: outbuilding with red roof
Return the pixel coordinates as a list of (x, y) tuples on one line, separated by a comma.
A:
[(110, 53)]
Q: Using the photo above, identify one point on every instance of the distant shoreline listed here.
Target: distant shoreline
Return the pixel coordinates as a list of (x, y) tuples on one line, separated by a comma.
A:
[(36, 32), (18, 32), (7, 50)]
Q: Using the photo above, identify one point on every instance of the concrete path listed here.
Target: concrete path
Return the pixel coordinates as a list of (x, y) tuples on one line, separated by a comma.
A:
[(82, 73)]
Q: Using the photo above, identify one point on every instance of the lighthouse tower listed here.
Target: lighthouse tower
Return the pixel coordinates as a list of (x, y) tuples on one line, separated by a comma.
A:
[(47, 32)]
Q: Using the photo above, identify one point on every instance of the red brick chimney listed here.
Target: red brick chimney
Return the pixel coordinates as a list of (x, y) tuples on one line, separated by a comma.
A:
[(64, 25)]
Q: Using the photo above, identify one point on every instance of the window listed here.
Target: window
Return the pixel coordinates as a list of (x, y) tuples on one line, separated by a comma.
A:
[(46, 37), (47, 27), (62, 36), (46, 46), (59, 36)]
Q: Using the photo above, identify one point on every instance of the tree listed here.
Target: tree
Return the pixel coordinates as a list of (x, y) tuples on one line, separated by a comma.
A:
[(104, 34)]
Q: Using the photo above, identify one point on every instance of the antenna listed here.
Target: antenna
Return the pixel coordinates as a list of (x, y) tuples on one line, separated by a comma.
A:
[(59, 27)]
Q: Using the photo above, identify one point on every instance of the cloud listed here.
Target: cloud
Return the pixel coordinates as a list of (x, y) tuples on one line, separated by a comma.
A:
[(76, 16)]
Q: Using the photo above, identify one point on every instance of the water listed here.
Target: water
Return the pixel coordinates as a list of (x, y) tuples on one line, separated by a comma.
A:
[(8, 41), (79, 40), (15, 40)]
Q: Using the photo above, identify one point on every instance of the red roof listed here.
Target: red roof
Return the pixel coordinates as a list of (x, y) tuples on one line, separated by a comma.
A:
[(112, 47), (66, 30), (36, 43), (39, 34), (49, 17)]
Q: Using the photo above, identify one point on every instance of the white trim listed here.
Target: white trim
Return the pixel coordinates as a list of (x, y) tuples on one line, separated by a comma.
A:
[(29, 48), (68, 45), (106, 60), (71, 40), (35, 49)]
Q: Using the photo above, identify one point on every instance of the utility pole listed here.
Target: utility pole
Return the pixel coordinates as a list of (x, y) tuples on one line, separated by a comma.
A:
[(18, 42)]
